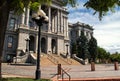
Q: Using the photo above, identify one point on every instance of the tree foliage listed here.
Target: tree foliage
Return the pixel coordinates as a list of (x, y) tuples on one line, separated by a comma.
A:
[(103, 55), (92, 48), (115, 57), (74, 48), (19, 5), (82, 46)]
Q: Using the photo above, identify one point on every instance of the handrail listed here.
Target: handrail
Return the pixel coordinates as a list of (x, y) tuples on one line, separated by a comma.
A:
[(63, 71), (53, 59)]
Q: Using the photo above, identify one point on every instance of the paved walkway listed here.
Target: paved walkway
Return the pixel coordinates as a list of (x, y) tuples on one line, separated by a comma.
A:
[(75, 71)]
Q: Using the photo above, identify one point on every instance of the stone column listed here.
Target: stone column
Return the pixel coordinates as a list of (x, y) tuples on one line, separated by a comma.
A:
[(85, 32), (53, 23), (36, 43), (61, 24), (62, 21), (27, 16), (23, 18), (79, 32), (58, 20), (49, 39), (66, 26), (49, 16)]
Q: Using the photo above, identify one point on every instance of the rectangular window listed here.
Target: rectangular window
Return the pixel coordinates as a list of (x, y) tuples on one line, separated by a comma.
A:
[(10, 41), (11, 24)]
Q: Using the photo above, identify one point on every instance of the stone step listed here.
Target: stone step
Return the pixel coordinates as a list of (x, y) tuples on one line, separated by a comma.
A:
[(60, 59), (45, 61), (74, 62)]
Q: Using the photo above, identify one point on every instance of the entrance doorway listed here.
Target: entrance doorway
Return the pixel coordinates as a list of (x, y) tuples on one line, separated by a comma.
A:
[(43, 45), (53, 46), (32, 43)]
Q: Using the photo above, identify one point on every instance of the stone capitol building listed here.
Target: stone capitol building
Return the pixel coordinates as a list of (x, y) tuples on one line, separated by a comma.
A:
[(22, 32)]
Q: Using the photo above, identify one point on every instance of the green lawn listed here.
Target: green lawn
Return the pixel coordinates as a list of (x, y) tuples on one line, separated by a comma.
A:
[(22, 79)]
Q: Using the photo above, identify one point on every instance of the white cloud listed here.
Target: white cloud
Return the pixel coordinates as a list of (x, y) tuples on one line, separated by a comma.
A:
[(79, 6)]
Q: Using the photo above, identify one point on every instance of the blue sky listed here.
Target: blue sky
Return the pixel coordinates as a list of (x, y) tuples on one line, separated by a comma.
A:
[(107, 31)]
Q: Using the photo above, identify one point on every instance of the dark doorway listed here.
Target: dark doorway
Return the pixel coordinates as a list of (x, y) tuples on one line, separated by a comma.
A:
[(32, 43), (43, 45), (53, 46)]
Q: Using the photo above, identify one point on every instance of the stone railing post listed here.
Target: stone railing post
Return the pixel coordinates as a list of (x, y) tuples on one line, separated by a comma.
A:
[(116, 66), (92, 66)]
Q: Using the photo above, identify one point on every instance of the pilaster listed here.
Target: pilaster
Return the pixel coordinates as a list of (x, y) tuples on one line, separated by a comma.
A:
[(49, 16)]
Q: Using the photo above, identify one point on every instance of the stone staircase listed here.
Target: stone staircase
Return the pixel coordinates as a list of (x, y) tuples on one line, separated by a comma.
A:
[(65, 61), (56, 59), (60, 59), (74, 62), (45, 61)]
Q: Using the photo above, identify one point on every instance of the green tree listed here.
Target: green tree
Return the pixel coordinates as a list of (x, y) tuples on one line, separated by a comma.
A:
[(82, 46), (103, 55), (115, 57), (92, 48), (74, 48), (18, 6)]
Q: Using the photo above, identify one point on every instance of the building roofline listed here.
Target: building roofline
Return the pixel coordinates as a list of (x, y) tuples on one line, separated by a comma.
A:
[(81, 25)]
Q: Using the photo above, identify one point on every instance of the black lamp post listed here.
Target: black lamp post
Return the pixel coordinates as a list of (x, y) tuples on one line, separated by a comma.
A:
[(40, 18), (67, 49)]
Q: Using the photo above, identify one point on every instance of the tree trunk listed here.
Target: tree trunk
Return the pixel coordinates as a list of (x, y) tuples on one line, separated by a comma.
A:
[(4, 13)]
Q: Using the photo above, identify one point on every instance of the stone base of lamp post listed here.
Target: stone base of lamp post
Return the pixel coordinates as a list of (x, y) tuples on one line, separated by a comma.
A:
[(38, 74)]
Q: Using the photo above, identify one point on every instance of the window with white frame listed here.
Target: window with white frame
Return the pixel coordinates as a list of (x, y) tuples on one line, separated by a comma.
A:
[(10, 41), (11, 24)]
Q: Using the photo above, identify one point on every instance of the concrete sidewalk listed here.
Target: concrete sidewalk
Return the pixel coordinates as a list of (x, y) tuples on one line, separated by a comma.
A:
[(48, 72)]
